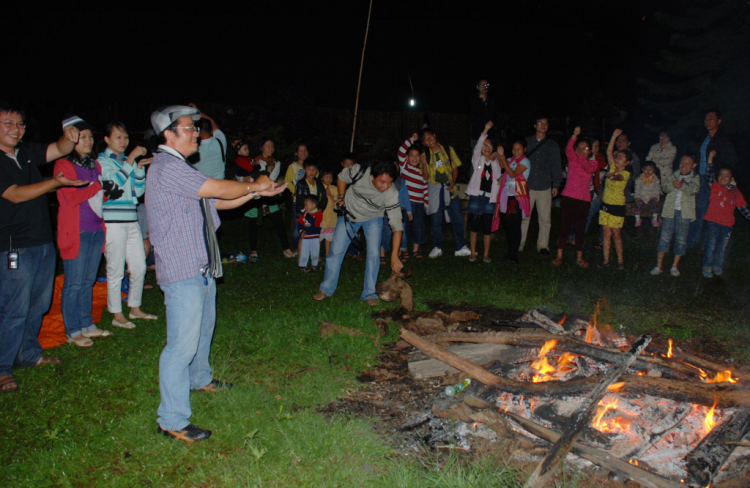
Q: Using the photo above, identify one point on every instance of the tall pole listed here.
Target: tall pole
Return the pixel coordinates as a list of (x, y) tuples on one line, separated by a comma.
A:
[(359, 82)]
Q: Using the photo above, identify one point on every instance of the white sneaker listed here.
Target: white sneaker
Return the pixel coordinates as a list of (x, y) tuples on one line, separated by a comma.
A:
[(464, 251), (656, 271), (437, 252), (674, 271)]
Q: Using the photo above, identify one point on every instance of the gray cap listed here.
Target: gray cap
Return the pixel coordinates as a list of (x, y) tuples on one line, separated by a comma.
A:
[(163, 117)]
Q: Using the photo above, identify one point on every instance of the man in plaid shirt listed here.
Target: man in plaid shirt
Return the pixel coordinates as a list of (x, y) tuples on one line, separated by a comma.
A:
[(182, 205)]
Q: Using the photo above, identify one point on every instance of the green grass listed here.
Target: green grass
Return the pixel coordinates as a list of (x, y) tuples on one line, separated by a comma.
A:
[(91, 420)]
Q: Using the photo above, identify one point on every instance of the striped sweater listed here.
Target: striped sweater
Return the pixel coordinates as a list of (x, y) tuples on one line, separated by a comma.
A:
[(412, 175), (129, 179)]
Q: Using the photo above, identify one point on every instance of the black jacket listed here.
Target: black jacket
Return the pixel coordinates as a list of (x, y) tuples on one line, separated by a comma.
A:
[(725, 154), (302, 191)]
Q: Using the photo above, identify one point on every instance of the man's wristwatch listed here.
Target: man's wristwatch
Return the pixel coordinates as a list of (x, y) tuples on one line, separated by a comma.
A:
[(255, 195)]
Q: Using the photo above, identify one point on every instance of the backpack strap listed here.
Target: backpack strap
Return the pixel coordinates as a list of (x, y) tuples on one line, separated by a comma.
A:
[(223, 153)]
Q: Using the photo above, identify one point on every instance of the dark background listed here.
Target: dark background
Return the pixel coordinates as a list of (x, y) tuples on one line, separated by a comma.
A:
[(637, 64)]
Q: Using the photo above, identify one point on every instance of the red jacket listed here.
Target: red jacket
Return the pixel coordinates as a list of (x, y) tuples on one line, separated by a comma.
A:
[(70, 197)]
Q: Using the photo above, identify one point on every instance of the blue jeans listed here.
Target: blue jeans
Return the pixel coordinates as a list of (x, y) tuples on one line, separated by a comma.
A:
[(373, 230), (25, 296), (414, 229), (387, 235), (701, 206), (191, 317), (716, 239), (457, 222), (677, 227), (78, 287)]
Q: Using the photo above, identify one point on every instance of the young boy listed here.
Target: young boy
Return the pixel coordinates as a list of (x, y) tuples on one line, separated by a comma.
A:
[(725, 197), (677, 214), (309, 185), (412, 196), (647, 191), (309, 222)]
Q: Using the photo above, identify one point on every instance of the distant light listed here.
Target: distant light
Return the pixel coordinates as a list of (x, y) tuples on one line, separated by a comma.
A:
[(412, 102)]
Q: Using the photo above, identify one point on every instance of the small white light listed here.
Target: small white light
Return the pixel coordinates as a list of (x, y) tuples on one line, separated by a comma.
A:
[(412, 102)]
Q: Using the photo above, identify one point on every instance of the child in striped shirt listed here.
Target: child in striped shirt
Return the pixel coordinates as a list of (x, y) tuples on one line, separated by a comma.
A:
[(416, 186)]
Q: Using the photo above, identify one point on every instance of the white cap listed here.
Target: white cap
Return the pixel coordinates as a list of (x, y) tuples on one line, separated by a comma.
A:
[(163, 117)]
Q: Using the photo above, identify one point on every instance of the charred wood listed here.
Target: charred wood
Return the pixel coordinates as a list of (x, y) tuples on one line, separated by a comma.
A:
[(582, 416), (712, 452)]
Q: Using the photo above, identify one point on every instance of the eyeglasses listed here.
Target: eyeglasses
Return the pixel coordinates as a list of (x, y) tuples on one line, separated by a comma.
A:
[(9, 124), (486, 85), (487, 144), (194, 129)]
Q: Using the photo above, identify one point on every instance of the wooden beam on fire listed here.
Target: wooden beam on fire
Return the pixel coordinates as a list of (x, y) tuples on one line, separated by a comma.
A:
[(735, 395), (535, 338), (603, 459), (705, 461), (582, 416)]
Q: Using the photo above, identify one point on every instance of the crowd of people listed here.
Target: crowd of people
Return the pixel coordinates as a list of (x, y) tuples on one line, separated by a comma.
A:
[(130, 204)]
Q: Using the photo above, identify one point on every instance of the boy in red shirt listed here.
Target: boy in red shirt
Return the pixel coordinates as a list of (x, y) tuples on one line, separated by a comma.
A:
[(309, 223), (725, 197)]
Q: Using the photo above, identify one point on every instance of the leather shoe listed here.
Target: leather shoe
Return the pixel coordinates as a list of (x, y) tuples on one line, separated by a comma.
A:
[(544, 252)]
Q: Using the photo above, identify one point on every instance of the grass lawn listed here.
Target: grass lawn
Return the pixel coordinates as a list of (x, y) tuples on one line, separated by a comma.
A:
[(92, 419)]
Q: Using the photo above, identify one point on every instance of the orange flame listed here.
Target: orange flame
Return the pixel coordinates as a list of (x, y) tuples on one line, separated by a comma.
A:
[(615, 425), (721, 377), (564, 360), (547, 347), (709, 423), (562, 320), (615, 386), (669, 352), (545, 370), (590, 331)]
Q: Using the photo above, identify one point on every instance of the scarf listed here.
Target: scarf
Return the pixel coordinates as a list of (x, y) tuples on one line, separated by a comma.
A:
[(522, 198), (85, 162)]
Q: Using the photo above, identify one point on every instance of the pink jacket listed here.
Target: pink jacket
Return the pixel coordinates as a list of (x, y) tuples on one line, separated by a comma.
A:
[(580, 169)]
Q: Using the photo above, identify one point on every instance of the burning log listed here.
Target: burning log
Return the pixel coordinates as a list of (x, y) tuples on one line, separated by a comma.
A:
[(582, 417), (673, 369), (702, 394), (603, 459), (713, 451)]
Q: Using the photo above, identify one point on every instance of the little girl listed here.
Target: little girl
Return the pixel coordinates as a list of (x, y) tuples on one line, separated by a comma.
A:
[(123, 240), (329, 216), (244, 163), (482, 191), (647, 190), (294, 173), (513, 203), (612, 214)]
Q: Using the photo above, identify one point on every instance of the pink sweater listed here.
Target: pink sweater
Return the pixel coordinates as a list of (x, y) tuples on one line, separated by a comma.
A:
[(580, 169)]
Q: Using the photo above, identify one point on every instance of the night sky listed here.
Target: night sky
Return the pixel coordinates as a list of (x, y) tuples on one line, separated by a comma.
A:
[(550, 52)]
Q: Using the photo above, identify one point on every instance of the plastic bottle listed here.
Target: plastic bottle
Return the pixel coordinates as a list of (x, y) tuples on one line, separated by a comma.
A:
[(454, 390)]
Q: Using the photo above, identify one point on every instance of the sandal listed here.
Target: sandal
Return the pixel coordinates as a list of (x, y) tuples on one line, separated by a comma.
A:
[(80, 341), (321, 295), (304, 269), (556, 262), (47, 360), (148, 286), (7, 383), (417, 255), (382, 261), (583, 264), (404, 256)]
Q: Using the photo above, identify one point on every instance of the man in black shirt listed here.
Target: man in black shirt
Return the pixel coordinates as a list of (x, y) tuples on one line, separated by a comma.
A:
[(27, 259)]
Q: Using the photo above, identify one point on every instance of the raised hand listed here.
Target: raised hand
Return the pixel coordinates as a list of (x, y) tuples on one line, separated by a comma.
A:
[(576, 131)]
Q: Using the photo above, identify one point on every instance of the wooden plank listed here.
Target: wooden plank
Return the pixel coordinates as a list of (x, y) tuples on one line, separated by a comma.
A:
[(421, 366), (582, 417)]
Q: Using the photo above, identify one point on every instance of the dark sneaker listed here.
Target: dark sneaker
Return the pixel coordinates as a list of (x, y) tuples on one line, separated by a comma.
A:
[(190, 433), (216, 386)]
